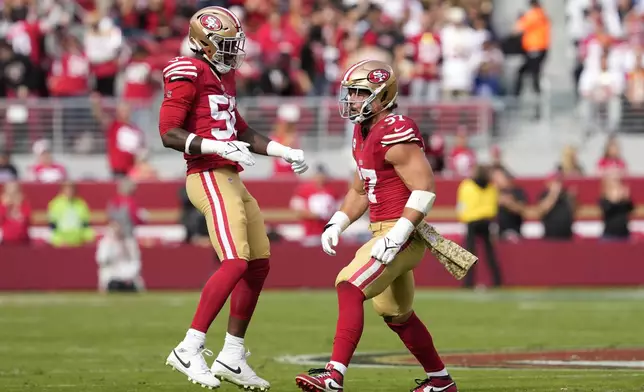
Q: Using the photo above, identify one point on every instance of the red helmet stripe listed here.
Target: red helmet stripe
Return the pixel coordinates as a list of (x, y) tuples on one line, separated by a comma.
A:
[(231, 15), (347, 75)]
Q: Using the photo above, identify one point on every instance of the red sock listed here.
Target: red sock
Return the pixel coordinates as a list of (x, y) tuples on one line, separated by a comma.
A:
[(350, 322), (419, 342), (246, 293), (216, 292)]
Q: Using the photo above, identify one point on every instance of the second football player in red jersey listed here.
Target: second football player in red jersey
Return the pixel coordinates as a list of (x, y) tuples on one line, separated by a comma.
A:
[(199, 117), (395, 182)]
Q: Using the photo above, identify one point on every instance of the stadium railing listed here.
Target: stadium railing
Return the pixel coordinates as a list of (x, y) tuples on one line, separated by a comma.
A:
[(72, 128)]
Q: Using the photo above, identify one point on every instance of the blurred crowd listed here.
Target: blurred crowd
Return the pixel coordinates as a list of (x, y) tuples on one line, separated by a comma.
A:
[(67, 48), (82, 51), (491, 195), (69, 221), (608, 37)]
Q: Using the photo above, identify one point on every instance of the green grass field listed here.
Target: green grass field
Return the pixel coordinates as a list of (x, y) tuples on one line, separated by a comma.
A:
[(87, 342)]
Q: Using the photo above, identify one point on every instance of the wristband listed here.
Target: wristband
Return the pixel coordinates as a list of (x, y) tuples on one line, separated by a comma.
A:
[(209, 146), (189, 140), (401, 230), (275, 149), (339, 218)]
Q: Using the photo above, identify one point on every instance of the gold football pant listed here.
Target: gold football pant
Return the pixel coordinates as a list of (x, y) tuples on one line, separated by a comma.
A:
[(390, 286), (235, 223)]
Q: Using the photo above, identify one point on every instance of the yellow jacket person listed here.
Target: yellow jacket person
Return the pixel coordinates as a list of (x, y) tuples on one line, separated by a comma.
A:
[(477, 206)]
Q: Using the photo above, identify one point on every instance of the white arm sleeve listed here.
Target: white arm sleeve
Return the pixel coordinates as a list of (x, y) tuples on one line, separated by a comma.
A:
[(421, 201)]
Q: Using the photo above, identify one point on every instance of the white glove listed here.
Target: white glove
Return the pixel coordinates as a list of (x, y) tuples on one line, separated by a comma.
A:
[(386, 248), (296, 159), (234, 150), (290, 155), (331, 236)]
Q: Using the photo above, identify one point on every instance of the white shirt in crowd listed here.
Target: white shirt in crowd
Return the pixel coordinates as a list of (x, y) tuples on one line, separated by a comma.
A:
[(616, 56), (118, 259), (104, 45), (578, 25), (460, 45), (600, 85), (610, 17)]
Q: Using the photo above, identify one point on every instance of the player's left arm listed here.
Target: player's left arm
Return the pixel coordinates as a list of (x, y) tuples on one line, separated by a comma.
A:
[(414, 170), (260, 144)]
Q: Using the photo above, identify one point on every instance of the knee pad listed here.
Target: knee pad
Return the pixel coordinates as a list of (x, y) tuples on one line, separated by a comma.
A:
[(390, 311), (400, 319)]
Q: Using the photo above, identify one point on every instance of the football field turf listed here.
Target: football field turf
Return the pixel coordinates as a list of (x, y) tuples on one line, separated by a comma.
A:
[(88, 342)]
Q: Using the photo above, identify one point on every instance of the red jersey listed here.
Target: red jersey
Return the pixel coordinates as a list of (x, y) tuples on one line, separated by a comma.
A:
[(14, 222), (124, 141), (386, 191), (213, 111), (138, 80), (320, 200), (49, 173), (427, 54), (69, 76), (25, 39), (611, 164), (282, 168), (462, 162)]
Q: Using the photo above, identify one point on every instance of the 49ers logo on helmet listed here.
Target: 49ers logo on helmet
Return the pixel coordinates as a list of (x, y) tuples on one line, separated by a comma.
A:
[(378, 76), (211, 22)]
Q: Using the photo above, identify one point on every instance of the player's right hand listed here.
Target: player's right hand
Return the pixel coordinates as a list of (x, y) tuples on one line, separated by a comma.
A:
[(330, 238), (236, 151)]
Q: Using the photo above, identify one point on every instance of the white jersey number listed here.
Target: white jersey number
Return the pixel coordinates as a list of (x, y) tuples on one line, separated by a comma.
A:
[(222, 108), (392, 118), (369, 177)]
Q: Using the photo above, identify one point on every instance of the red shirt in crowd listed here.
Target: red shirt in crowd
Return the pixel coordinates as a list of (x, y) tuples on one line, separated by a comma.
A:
[(611, 164), (69, 76), (319, 200), (427, 53), (124, 141), (25, 38), (15, 222), (282, 168), (49, 173), (462, 161), (275, 40), (138, 80)]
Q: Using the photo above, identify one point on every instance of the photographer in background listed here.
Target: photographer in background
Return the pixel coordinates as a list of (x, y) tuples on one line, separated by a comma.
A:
[(478, 203), (119, 261), (616, 205)]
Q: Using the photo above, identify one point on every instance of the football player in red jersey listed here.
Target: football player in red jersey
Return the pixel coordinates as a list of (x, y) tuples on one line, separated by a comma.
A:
[(199, 117), (395, 182)]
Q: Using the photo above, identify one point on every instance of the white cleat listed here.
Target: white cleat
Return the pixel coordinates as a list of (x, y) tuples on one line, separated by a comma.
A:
[(238, 372), (193, 364)]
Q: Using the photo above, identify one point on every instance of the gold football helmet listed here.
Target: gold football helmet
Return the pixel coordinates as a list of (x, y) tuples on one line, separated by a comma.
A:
[(366, 83), (217, 34)]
